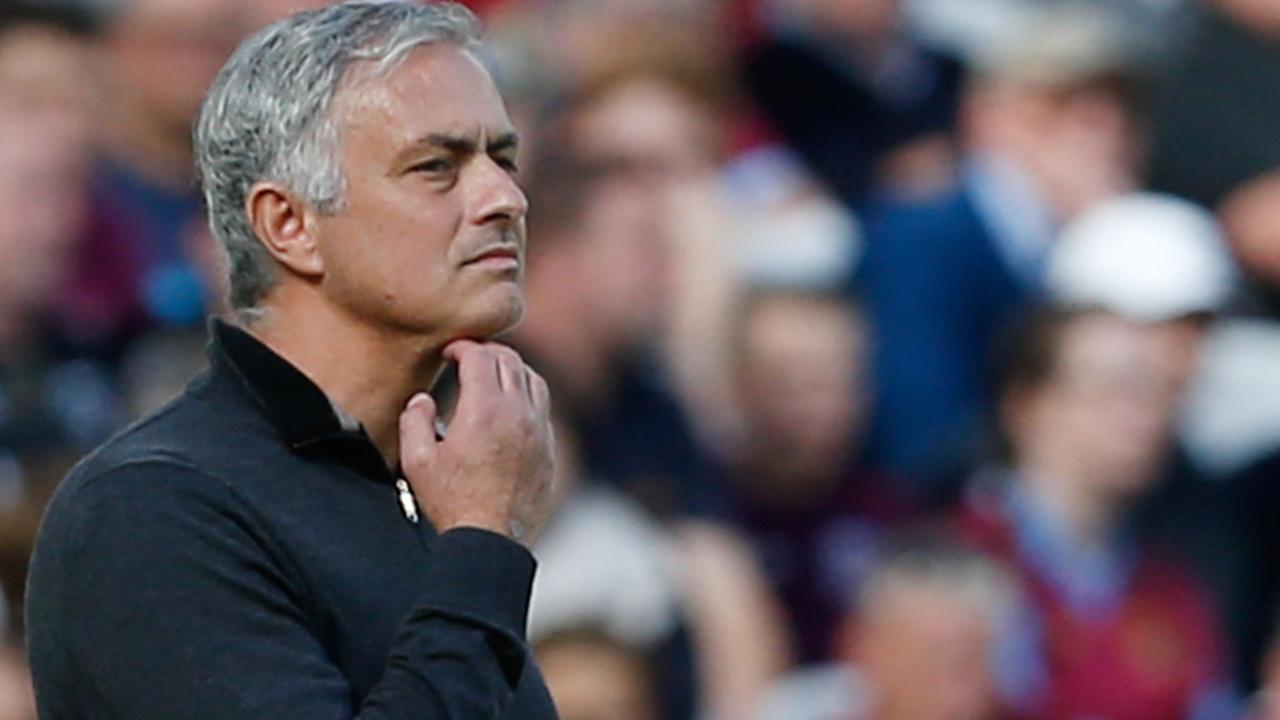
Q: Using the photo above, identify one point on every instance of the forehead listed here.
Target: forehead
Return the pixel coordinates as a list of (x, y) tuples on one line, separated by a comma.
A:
[(1102, 343), (438, 88), (793, 322)]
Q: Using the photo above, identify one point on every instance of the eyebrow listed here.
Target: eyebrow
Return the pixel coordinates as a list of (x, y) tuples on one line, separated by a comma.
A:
[(464, 144)]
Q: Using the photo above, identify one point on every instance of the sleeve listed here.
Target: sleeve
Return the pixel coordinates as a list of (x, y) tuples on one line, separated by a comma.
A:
[(173, 607)]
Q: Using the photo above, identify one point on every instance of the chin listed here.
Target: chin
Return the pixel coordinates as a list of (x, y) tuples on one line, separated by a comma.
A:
[(496, 317)]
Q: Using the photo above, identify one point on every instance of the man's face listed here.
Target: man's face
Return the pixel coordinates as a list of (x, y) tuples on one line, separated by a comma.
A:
[(1081, 143), (430, 237), (926, 651), (1110, 405), (163, 54), (44, 158), (800, 383)]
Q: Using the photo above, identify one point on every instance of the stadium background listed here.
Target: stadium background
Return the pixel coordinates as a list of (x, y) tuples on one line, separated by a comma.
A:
[(913, 358)]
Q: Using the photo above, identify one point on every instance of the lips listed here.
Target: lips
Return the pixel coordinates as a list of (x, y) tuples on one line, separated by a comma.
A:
[(497, 255)]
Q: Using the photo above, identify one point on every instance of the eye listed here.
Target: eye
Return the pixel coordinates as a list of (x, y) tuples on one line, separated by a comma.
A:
[(435, 166), (508, 164)]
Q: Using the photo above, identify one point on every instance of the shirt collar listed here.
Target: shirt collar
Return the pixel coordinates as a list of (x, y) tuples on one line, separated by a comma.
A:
[(298, 408), (1017, 214), (1090, 580)]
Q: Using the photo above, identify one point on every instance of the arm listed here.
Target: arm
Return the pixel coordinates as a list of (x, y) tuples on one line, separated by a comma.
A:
[(169, 604)]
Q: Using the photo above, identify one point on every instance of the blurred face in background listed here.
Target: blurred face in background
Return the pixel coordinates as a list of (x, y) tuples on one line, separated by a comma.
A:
[(645, 134), (45, 120), (644, 141), (45, 89), (925, 652), (1081, 142), (625, 268), (802, 393), (1251, 216), (41, 203), (1105, 413), (163, 54)]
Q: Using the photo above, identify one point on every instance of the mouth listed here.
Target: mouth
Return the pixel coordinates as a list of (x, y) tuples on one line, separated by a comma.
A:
[(502, 257)]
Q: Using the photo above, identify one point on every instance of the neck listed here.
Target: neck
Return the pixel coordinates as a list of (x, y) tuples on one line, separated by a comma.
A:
[(1066, 493), (369, 372)]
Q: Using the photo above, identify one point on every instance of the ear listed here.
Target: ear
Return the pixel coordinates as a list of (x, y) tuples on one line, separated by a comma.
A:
[(283, 222)]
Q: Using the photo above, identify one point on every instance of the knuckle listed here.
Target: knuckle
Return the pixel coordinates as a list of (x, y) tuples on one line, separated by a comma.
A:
[(506, 352)]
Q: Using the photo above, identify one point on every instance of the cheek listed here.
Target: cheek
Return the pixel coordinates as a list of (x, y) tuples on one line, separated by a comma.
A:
[(386, 270)]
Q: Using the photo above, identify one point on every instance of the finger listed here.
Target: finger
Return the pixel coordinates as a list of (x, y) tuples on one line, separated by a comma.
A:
[(418, 432), (476, 366), (454, 351), (539, 393), (510, 369)]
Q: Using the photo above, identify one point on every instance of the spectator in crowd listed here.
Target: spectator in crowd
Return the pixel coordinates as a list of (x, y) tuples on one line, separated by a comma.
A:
[(1120, 627), (1214, 110), (1164, 262), (54, 400), (921, 643), (1156, 259), (158, 57), (646, 119), (687, 593), (814, 513), (599, 281), (1049, 127), (594, 676), (876, 109), (45, 129)]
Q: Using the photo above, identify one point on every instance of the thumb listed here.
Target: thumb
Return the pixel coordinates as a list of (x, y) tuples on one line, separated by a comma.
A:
[(418, 432)]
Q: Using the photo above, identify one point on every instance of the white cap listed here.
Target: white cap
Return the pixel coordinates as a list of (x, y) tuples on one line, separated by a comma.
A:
[(1145, 256)]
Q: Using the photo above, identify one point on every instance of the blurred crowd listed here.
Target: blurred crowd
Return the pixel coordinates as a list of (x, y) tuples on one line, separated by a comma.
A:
[(912, 359)]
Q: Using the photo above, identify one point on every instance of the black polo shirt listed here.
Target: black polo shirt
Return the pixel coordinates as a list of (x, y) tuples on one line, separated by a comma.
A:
[(244, 553)]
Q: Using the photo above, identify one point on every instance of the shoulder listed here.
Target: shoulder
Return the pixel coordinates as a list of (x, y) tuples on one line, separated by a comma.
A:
[(204, 432), (161, 478)]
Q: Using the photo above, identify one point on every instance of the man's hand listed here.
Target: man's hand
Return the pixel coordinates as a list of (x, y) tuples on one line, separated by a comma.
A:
[(494, 470)]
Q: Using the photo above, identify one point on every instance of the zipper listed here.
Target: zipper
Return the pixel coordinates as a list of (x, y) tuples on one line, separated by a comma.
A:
[(408, 505)]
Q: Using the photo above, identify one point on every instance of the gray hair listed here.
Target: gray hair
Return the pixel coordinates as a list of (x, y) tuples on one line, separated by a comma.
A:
[(268, 115), (933, 558)]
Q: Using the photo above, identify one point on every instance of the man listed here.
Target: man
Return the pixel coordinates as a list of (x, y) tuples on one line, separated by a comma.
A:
[(157, 57), (1049, 128), (815, 514), (290, 537), (877, 107), (57, 394), (1120, 628), (922, 641)]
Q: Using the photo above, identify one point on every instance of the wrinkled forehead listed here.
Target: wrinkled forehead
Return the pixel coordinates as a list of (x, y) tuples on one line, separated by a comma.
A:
[(438, 88)]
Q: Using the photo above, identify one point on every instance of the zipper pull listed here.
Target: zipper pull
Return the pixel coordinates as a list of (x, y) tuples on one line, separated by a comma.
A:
[(407, 504)]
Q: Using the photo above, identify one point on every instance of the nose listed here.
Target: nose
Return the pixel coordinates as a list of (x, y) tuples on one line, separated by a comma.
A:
[(498, 197)]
